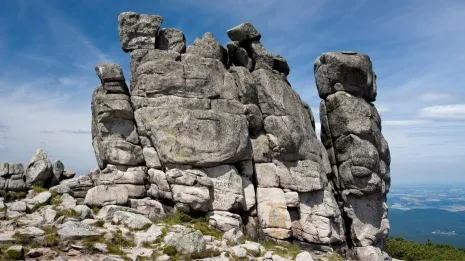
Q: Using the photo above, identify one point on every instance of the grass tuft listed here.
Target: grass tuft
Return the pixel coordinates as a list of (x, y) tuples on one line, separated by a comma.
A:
[(288, 250), (38, 189), (12, 196), (69, 213), (170, 251)]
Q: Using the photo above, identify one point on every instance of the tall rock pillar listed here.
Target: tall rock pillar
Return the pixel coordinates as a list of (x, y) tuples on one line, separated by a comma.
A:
[(358, 152), (114, 135)]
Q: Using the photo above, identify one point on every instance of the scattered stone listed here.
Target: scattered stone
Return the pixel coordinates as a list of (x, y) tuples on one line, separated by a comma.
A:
[(233, 236), (131, 220), (107, 212), (43, 198), (6, 237), (75, 230), (304, 256), (15, 252), (187, 241), (239, 251), (101, 247), (68, 201), (83, 212), (61, 189), (49, 215), (17, 206), (149, 207), (224, 221), (106, 195), (31, 232), (149, 236)]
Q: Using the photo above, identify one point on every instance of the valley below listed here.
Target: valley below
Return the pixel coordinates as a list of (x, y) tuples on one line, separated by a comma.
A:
[(434, 212)]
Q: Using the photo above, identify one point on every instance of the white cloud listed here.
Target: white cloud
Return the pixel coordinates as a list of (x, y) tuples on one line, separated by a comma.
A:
[(403, 122), (444, 112), (65, 80), (434, 96)]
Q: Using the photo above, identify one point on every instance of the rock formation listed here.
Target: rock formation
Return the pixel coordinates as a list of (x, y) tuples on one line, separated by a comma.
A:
[(39, 171), (220, 132), (358, 152)]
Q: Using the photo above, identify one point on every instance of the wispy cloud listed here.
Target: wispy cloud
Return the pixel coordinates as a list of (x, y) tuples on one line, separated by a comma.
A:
[(444, 112), (66, 131), (434, 96), (403, 122)]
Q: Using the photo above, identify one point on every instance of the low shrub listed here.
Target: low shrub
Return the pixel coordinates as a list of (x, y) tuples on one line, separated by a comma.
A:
[(401, 248), (69, 213), (38, 189), (170, 251)]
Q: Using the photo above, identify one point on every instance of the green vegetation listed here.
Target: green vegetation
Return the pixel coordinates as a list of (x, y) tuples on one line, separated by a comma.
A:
[(170, 250), (69, 213), (203, 254), (334, 257), (285, 250), (11, 195), (95, 210), (56, 200), (15, 255), (114, 250), (411, 251), (38, 189), (206, 230), (199, 222), (21, 239), (179, 217), (51, 237), (90, 241), (99, 223), (176, 255)]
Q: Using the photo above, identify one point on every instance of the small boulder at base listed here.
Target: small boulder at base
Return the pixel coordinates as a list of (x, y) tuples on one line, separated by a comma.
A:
[(39, 169), (75, 230), (15, 252), (187, 241), (131, 220), (106, 195)]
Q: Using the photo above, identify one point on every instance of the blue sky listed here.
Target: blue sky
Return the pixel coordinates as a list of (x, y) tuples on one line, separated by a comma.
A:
[(48, 50)]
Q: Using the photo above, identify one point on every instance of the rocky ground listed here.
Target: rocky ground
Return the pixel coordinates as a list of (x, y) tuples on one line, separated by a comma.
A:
[(48, 225)]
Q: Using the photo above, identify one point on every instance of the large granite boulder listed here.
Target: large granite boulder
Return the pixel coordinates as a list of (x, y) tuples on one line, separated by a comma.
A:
[(138, 31), (39, 170)]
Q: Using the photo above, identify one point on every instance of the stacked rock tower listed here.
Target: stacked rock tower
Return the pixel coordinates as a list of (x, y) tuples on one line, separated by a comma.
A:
[(358, 152), (220, 131)]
